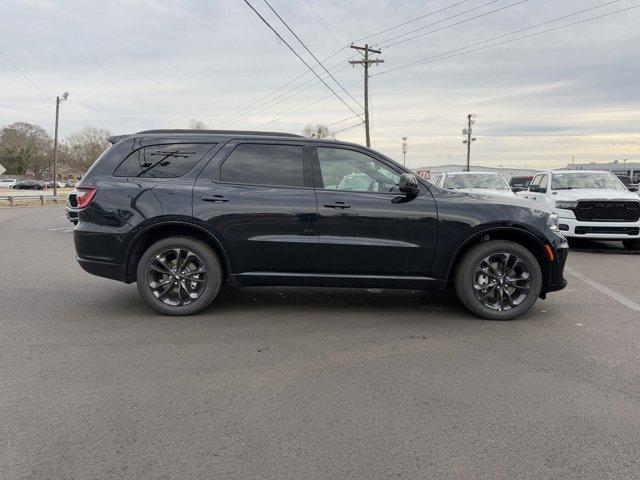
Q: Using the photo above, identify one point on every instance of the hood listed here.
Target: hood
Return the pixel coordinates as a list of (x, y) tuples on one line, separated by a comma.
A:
[(488, 192), (593, 194), (488, 200)]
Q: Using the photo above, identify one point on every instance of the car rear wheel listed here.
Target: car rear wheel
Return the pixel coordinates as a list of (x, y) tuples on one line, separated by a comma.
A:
[(631, 244), (498, 280), (179, 276)]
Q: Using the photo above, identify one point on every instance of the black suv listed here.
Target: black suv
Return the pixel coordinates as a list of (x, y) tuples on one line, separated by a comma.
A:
[(182, 212)]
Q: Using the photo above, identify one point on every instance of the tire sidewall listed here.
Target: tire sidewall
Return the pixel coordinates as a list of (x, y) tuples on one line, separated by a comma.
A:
[(464, 287), (208, 257)]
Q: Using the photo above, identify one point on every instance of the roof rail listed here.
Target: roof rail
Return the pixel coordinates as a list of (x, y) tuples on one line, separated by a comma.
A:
[(223, 132)]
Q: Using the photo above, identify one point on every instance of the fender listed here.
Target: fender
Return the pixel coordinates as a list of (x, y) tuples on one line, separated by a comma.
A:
[(473, 237), (178, 223)]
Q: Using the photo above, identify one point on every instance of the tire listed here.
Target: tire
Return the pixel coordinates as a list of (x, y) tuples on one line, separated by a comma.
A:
[(156, 272), (475, 271), (631, 244)]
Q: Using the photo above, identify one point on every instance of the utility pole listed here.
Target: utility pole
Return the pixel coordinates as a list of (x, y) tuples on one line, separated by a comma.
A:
[(366, 61), (404, 151), (65, 95), (467, 131)]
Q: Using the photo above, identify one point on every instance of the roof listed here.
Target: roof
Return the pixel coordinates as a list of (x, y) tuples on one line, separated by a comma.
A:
[(170, 132), (472, 173)]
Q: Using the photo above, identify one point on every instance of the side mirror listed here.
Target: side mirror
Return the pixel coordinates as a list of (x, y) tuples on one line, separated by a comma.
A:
[(408, 184), (516, 189)]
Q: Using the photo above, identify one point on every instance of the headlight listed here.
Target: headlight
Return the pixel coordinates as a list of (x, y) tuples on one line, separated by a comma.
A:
[(552, 221), (566, 205)]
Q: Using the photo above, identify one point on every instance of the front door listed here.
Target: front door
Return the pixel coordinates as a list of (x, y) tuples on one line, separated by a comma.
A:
[(257, 198), (365, 225)]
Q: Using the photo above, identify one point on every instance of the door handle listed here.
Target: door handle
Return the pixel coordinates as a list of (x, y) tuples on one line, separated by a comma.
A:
[(337, 205), (215, 198)]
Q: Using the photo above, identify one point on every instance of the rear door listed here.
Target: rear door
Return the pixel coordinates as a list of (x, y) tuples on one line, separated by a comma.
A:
[(365, 225), (257, 197)]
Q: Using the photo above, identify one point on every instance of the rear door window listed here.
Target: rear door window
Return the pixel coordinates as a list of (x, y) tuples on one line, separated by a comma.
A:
[(163, 161), (264, 164)]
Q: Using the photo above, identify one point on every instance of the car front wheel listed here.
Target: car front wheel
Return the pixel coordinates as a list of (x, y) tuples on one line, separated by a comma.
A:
[(498, 280), (179, 276)]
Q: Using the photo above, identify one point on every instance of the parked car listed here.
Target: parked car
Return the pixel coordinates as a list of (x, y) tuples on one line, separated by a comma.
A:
[(50, 183), (7, 182), (590, 204), (518, 184), (483, 183), (183, 212), (29, 185)]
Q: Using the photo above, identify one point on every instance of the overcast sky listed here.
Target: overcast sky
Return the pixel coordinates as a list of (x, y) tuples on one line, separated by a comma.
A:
[(135, 65)]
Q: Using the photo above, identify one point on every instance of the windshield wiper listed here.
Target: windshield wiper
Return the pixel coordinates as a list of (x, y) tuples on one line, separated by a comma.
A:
[(563, 188)]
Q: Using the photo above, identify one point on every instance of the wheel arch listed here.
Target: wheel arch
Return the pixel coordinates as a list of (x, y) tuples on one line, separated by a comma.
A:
[(148, 235), (514, 234)]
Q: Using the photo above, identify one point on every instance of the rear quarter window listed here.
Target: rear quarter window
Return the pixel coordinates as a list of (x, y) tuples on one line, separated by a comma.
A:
[(163, 161)]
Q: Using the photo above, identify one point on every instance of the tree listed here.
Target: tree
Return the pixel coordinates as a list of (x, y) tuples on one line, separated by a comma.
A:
[(317, 131), (197, 125), (24, 146), (85, 146)]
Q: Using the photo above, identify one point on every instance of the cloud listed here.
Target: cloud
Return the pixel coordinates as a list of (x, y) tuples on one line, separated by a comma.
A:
[(134, 65)]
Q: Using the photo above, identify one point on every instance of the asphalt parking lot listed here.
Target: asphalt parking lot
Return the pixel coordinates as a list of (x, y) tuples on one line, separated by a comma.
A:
[(287, 383)]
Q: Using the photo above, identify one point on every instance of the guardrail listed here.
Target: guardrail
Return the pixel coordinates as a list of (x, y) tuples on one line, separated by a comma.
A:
[(12, 199)]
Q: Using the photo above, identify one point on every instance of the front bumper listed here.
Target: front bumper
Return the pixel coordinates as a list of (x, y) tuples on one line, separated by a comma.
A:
[(570, 227), (555, 269)]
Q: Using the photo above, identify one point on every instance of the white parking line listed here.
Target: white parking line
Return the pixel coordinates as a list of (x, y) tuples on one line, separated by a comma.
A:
[(604, 289), (63, 229)]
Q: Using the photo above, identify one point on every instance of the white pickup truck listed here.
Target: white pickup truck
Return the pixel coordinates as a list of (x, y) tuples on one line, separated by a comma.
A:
[(589, 204)]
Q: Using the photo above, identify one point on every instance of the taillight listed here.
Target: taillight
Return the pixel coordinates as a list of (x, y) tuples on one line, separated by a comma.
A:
[(85, 195)]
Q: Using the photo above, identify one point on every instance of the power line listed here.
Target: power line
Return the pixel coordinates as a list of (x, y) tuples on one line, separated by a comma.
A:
[(283, 98), (26, 77), (299, 57), (311, 53), (451, 53), (355, 12), (347, 128), (411, 21), (307, 106), (324, 25), (342, 121), (451, 25), (349, 34)]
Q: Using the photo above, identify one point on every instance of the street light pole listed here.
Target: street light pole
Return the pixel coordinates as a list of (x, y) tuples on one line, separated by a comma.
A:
[(404, 151), (65, 95)]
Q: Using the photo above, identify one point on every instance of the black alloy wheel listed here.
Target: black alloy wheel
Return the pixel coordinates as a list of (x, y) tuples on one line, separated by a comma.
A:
[(498, 279), (179, 275), (502, 281)]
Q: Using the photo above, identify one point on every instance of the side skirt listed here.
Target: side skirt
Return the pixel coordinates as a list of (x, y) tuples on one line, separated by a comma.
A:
[(335, 280)]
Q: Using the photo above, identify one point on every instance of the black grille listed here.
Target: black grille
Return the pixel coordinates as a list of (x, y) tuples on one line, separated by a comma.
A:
[(608, 230), (608, 211)]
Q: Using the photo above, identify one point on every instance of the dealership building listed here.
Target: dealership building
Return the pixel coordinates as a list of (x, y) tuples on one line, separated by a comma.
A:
[(632, 169), (506, 172)]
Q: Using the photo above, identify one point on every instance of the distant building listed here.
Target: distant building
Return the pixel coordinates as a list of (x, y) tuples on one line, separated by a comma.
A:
[(506, 172), (631, 169)]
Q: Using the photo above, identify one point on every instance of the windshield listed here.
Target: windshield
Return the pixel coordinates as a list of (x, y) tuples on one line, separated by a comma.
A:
[(575, 181), (483, 181)]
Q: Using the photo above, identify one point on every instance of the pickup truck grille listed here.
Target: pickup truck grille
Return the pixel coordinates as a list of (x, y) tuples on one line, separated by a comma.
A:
[(608, 211)]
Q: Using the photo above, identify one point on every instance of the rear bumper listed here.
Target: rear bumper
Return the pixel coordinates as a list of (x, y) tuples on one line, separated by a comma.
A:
[(113, 271)]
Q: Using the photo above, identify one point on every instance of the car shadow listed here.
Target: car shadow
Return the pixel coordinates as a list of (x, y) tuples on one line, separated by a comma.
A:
[(600, 246)]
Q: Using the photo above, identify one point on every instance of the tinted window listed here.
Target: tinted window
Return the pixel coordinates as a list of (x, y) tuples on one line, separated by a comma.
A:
[(350, 170), (163, 161), (257, 164)]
